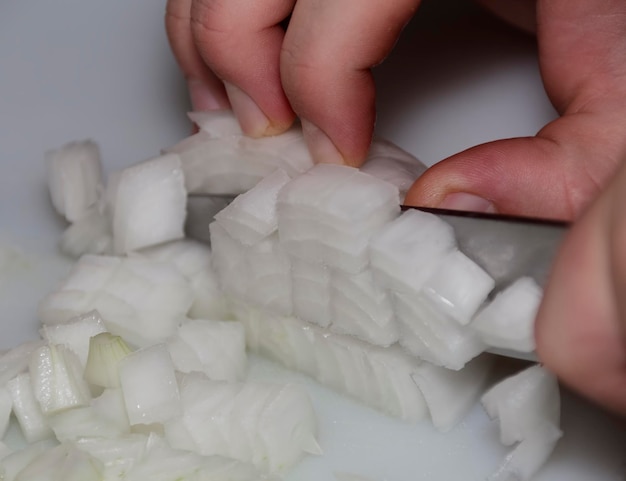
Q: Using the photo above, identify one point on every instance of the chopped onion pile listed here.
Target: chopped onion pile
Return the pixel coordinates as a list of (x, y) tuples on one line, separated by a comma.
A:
[(141, 372)]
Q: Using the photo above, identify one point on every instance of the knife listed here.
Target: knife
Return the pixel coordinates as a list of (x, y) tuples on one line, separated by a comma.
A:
[(506, 247)]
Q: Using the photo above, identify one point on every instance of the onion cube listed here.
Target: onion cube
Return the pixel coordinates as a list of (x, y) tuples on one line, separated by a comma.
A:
[(252, 217), (458, 287), (449, 394), (57, 378), (408, 250), (150, 204), (215, 348), (6, 406), (76, 333), (310, 286), (360, 308), (91, 234), (328, 214), (508, 321), (149, 386), (432, 336), (15, 361), (27, 409), (74, 178)]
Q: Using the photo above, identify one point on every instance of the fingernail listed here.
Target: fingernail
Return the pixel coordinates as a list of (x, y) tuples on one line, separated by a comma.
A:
[(251, 118), (203, 98), (321, 147), (469, 202)]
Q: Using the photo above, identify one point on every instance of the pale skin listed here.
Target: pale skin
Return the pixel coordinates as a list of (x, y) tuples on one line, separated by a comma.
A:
[(235, 54)]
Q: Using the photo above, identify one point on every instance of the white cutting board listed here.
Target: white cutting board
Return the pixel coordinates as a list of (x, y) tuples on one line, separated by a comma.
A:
[(71, 69)]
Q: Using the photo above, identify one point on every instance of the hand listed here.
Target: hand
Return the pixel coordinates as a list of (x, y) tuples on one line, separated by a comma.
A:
[(318, 68), (581, 324)]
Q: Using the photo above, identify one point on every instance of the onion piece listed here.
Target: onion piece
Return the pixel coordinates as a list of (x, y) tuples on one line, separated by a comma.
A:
[(75, 334), (83, 422), (508, 321), (149, 386), (150, 204), (252, 217), (269, 425), (62, 462), (528, 408), (451, 394), (74, 178), (193, 260), (6, 407), (310, 288), (110, 405), (91, 234), (408, 250), (56, 376), (390, 163), (15, 361), (106, 351), (27, 410), (215, 348), (141, 300), (378, 377), (15, 462), (321, 220)]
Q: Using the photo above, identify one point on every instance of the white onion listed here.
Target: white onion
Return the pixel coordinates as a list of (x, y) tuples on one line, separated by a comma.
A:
[(76, 333), (110, 405), (451, 394), (528, 407), (408, 250), (83, 422), (508, 321), (252, 216), (321, 220), (6, 407), (310, 288), (106, 351), (149, 386), (15, 462), (141, 300), (150, 204), (15, 361), (56, 376), (269, 425), (91, 234), (74, 178), (61, 462), (376, 376), (390, 163), (215, 348), (27, 410)]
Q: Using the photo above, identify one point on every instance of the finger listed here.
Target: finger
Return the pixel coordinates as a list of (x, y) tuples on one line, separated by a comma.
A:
[(581, 323), (328, 52), (552, 175), (205, 89), (241, 40)]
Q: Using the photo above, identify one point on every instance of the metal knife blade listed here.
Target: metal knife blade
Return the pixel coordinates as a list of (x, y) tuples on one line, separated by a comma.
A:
[(506, 247)]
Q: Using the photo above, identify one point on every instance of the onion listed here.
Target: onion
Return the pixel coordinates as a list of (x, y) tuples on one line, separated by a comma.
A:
[(27, 409), (16, 360), (150, 204), (141, 300), (310, 286), (215, 348), (508, 321), (106, 351), (376, 376), (149, 386), (6, 406), (74, 178), (15, 462), (56, 376), (451, 394), (91, 234), (528, 408), (251, 217), (321, 220), (269, 425), (76, 333)]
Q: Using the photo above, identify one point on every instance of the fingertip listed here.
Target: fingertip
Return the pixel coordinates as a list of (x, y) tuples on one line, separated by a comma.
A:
[(254, 122), (205, 98)]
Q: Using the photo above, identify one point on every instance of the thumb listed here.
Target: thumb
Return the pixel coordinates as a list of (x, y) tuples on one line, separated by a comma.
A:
[(552, 175)]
